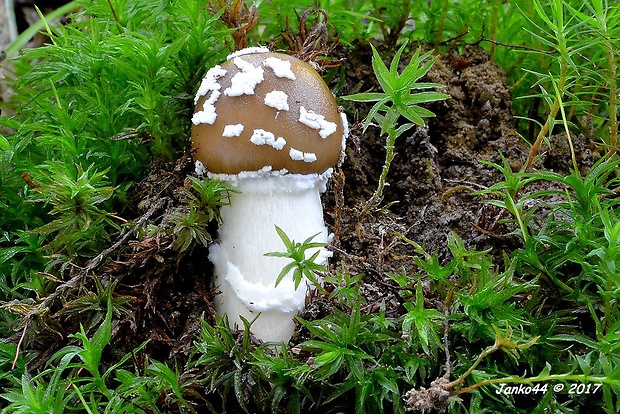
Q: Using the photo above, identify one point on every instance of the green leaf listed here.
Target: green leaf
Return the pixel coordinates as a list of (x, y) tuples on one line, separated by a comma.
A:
[(374, 111), (427, 85), (4, 144), (423, 97), (381, 72), (329, 363), (238, 387), (285, 270), (414, 71), (403, 128), (6, 254), (102, 336), (287, 242), (413, 113), (395, 61), (365, 97)]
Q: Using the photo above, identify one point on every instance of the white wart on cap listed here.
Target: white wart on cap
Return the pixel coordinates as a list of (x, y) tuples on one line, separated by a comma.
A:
[(263, 110)]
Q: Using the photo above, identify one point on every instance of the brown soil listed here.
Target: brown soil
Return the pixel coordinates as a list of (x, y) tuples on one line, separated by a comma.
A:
[(438, 168)]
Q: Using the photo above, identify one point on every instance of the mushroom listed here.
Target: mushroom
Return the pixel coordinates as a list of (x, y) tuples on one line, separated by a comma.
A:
[(267, 124)]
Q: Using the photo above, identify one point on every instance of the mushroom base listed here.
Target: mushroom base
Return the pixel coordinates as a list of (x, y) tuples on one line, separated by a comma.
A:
[(245, 277)]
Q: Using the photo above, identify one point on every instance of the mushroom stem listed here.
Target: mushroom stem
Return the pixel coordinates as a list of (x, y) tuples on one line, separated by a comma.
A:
[(244, 275)]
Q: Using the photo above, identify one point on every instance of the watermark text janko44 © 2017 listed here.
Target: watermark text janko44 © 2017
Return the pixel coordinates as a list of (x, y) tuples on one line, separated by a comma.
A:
[(577, 388)]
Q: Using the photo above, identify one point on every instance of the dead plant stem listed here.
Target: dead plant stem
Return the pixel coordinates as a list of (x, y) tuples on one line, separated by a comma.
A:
[(19, 345), (76, 280)]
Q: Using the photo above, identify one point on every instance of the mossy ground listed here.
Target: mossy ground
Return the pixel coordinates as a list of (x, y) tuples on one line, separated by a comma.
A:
[(430, 194), (162, 294)]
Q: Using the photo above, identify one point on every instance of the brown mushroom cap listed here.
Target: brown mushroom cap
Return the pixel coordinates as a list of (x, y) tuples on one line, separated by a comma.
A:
[(294, 146)]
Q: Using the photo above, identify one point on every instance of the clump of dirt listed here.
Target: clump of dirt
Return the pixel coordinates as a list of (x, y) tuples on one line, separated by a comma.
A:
[(171, 291), (432, 399), (559, 157)]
